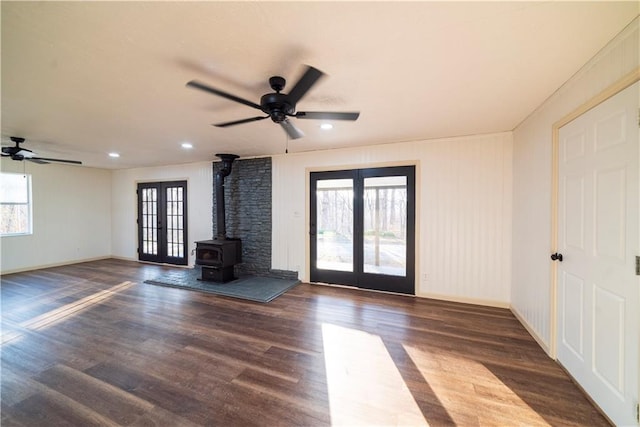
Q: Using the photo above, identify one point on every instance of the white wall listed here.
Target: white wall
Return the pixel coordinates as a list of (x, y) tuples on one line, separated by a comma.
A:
[(71, 217), (124, 210), (532, 150), (463, 192)]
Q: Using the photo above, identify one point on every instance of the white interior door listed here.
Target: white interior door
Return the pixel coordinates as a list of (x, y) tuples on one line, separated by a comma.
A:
[(598, 226)]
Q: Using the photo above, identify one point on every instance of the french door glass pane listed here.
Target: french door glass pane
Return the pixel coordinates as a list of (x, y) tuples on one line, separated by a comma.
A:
[(149, 221), (175, 222), (385, 227), (334, 224)]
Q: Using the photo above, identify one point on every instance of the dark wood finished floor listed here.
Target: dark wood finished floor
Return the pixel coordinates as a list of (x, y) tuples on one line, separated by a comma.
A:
[(90, 344)]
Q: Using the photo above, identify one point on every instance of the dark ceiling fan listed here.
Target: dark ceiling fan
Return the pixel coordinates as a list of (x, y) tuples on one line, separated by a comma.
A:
[(18, 153), (280, 106)]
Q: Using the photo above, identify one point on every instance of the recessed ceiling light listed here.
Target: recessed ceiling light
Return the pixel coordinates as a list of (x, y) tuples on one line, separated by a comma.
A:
[(114, 155), (187, 145), (326, 126)]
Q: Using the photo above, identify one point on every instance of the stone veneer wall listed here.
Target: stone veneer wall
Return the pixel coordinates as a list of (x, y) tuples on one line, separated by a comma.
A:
[(247, 195)]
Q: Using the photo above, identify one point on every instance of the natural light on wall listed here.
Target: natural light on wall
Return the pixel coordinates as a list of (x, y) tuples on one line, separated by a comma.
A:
[(363, 381), (15, 204)]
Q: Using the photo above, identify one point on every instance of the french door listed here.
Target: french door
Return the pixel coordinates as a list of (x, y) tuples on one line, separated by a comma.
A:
[(162, 222), (362, 228)]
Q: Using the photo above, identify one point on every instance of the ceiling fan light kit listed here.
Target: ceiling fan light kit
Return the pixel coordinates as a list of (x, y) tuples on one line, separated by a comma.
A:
[(278, 106)]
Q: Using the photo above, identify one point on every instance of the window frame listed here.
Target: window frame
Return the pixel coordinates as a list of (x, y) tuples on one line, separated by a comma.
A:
[(28, 203)]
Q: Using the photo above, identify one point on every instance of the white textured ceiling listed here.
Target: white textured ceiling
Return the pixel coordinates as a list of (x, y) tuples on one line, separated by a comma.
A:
[(81, 79)]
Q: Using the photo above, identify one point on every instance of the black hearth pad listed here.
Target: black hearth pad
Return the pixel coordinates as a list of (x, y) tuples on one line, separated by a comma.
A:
[(253, 288)]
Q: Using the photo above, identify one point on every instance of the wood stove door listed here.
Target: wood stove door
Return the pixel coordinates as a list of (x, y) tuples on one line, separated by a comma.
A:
[(362, 229), (162, 222)]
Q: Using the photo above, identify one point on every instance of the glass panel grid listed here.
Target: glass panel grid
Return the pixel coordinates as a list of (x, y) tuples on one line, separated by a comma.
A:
[(175, 222), (149, 221)]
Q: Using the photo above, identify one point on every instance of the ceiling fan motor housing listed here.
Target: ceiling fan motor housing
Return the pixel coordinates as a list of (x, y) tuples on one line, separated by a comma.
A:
[(277, 106)]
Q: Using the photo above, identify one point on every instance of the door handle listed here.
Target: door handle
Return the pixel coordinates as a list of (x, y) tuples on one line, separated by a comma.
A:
[(556, 257)]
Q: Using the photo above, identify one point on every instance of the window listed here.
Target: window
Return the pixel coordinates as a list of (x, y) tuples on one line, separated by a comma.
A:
[(15, 204)]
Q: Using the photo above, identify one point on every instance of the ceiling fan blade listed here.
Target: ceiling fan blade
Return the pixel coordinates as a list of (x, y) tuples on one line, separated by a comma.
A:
[(9, 151), (308, 79), (320, 115), (239, 122), (36, 160), (204, 87), (46, 160), (292, 131)]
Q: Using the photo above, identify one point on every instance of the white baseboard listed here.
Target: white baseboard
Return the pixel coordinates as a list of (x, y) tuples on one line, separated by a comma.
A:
[(164, 264), (56, 264), (124, 258), (78, 261), (465, 300), (476, 301), (531, 331)]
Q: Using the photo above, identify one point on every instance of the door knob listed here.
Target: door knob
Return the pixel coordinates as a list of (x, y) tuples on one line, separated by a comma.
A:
[(556, 257)]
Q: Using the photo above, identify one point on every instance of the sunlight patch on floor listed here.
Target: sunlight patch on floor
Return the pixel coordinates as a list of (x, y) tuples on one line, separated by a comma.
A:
[(364, 385), (54, 316), (467, 388)]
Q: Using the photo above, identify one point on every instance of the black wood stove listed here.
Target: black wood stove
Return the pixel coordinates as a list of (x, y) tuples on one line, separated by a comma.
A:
[(218, 256)]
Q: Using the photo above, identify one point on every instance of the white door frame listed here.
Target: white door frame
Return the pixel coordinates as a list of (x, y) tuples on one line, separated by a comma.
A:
[(612, 90)]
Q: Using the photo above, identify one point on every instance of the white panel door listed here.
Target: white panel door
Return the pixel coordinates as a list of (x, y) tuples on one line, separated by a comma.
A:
[(598, 226)]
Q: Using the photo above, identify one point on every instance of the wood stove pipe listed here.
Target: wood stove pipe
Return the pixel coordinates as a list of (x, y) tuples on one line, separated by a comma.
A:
[(227, 160)]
